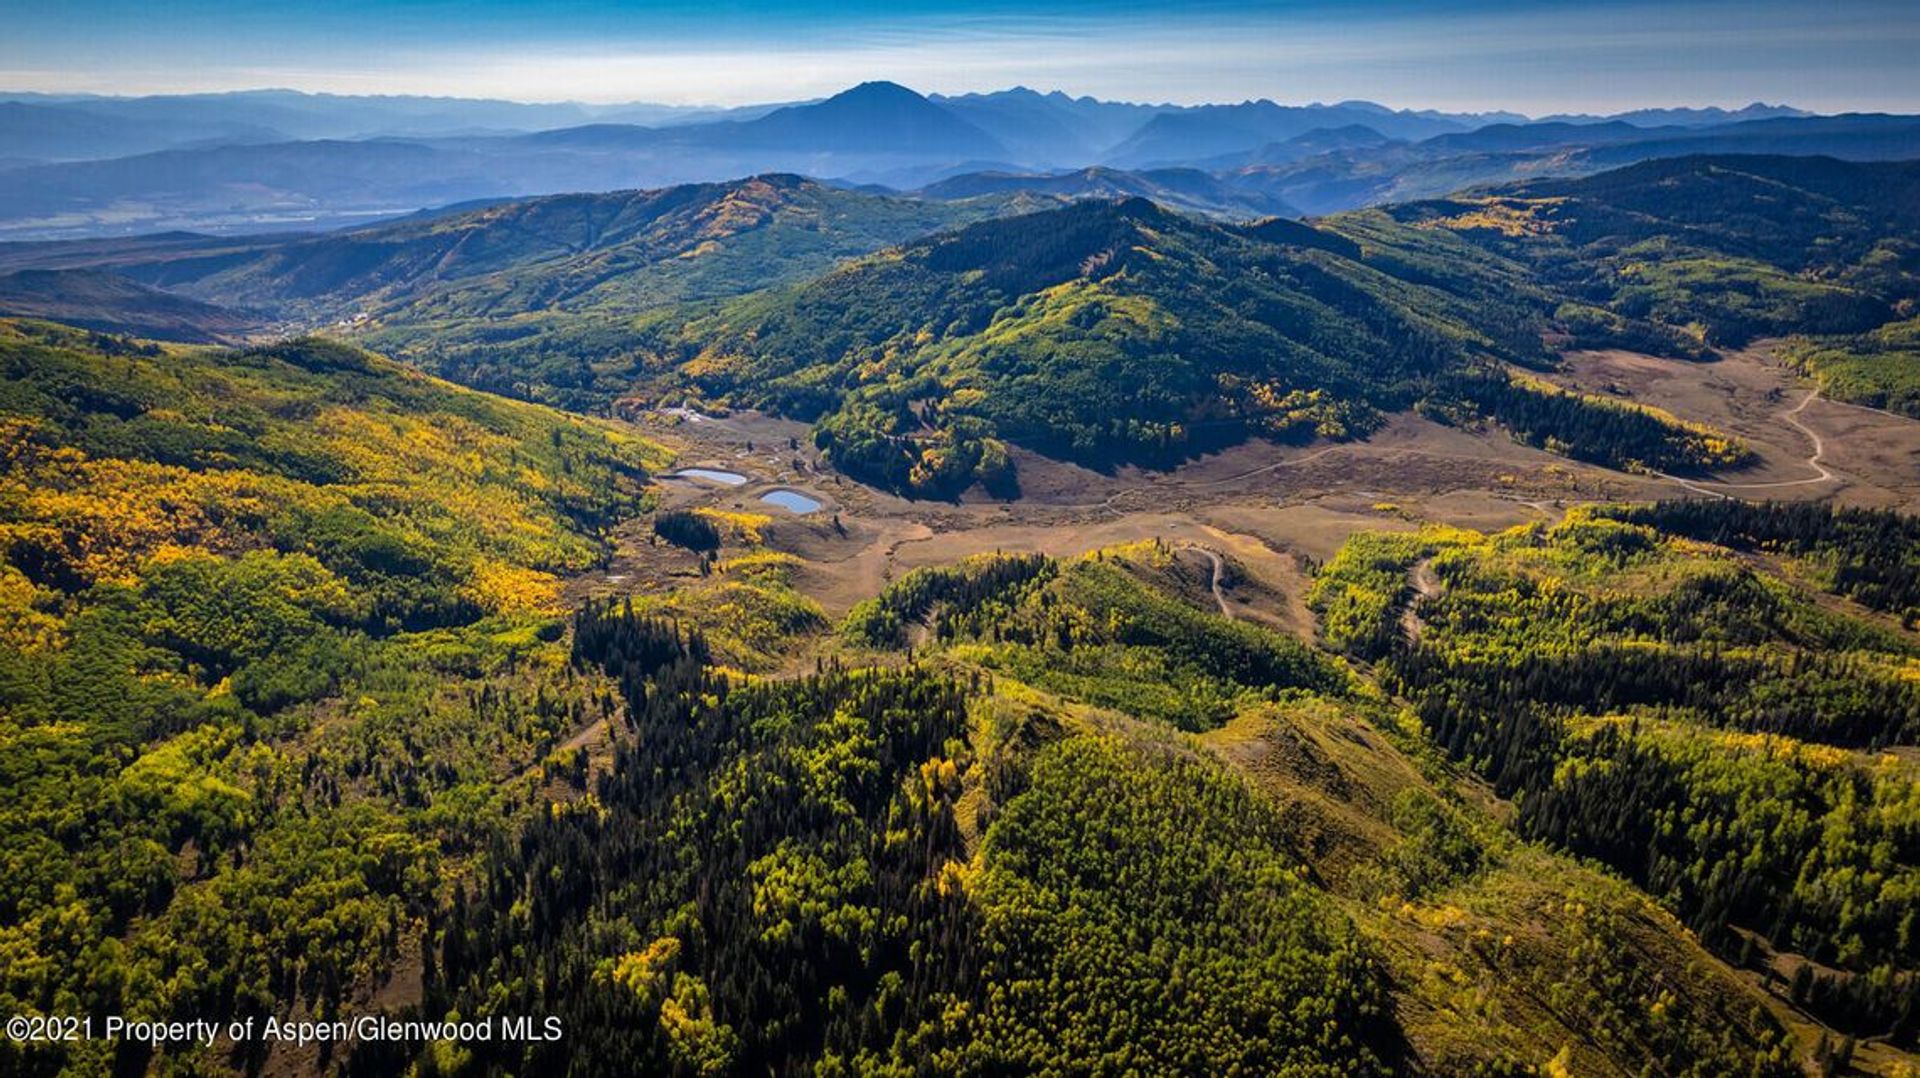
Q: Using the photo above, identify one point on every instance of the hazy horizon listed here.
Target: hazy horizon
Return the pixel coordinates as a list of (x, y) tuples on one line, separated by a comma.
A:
[(13, 92), (1471, 56)]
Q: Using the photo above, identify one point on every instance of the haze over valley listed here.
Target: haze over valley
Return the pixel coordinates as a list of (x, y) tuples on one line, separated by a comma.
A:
[(240, 162)]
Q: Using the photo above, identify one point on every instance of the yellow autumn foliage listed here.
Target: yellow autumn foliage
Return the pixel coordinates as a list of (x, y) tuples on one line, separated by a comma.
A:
[(743, 527), (500, 588)]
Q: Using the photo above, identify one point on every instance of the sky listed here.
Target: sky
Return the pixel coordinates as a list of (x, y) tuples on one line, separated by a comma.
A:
[(1537, 58)]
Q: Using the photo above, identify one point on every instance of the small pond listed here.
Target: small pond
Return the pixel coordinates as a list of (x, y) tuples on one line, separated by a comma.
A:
[(792, 501), (711, 475)]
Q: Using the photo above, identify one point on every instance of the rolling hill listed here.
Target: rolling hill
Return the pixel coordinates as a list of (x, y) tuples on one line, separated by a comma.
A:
[(95, 299), (299, 556), (1119, 332), (1346, 177), (624, 251), (1598, 674), (1721, 248), (1102, 331), (1189, 190), (523, 296), (1212, 130), (1283, 845)]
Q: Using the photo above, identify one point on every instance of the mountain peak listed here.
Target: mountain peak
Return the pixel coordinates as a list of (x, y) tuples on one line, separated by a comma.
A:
[(874, 117), (876, 90)]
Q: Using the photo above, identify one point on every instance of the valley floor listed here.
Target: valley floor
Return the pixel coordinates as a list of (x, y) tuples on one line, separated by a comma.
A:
[(1270, 505)]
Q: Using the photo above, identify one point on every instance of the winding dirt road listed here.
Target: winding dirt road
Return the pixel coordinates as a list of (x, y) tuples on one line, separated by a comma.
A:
[(1219, 570), (1792, 416)]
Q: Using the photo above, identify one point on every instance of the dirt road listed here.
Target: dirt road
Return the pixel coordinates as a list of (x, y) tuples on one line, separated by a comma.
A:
[(1792, 416)]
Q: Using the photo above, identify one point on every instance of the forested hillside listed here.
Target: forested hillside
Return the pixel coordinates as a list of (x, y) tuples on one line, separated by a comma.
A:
[(1720, 249), (574, 252), (96, 299), (1114, 333), (523, 294), (277, 630), (1685, 717), (1877, 369), (1120, 332), (953, 865)]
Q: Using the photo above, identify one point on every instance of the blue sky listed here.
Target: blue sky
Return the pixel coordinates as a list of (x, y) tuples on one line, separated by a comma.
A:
[(1602, 55)]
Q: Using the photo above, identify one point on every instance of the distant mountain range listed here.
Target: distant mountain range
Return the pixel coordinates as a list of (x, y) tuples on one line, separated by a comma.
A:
[(1390, 171), (1036, 127), (606, 255), (267, 160), (78, 127), (1686, 117), (1217, 129)]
